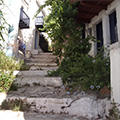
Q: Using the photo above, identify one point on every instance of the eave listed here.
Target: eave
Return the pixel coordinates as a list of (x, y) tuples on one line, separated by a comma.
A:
[(87, 9)]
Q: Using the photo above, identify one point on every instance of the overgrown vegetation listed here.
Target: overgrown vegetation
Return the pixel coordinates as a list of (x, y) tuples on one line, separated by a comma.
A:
[(7, 64), (77, 67), (15, 105), (114, 112), (2, 24), (7, 67)]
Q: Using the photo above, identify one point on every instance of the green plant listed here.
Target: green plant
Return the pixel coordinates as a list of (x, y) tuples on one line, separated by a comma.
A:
[(7, 67), (114, 112), (77, 67), (15, 105), (3, 29), (24, 66)]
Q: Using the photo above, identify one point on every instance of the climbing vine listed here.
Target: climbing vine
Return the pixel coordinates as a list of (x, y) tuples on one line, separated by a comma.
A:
[(77, 67)]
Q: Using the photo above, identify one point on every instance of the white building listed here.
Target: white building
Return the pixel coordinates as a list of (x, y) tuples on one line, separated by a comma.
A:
[(101, 18), (19, 14)]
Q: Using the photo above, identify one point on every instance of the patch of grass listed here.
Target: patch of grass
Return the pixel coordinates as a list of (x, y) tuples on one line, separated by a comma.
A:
[(24, 67), (15, 105)]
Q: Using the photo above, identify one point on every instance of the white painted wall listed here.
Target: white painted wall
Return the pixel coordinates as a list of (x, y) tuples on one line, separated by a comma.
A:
[(115, 72), (114, 48), (11, 13)]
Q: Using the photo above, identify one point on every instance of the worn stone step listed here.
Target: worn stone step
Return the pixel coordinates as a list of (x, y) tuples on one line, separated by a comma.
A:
[(33, 73), (44, 81), (42, 64), (44, 60), (37, 116), (88, 107), (41, 91), (35, 68), (12, 115), (44, 55)]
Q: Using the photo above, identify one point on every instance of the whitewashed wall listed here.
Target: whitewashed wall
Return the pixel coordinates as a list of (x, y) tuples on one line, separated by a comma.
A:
[(114, 48), (11, 13)]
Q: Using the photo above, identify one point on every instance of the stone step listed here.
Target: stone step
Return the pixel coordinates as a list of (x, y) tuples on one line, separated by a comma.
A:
[(44, 60), (43, 91), (42, 64), (38, 116), (41, 72), (35, 68), (39, 57), (44, 55), (88, 107), (43, 81), (33, 73), (12, 115)]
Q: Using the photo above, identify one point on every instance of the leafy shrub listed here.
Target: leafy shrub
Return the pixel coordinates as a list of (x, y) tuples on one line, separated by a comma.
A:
[(114, 112), (7, 67), (85, 71), (77, 66)]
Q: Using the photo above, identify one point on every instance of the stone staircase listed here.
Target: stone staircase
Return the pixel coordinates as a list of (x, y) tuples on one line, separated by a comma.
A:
[(42, 60), (47, 96)]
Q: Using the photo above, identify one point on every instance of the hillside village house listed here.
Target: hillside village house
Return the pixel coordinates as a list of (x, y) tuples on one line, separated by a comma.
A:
[(101, 18), (24, 27)]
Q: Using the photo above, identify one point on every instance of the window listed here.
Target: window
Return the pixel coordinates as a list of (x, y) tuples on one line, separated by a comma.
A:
[(83, 32), (99, 35), (113, 27)]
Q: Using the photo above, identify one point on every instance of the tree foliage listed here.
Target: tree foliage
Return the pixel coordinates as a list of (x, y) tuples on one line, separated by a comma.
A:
[(77, 66)]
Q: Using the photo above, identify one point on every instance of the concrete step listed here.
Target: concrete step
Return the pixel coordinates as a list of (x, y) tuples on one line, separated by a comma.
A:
[(42, 64), (43, 81)]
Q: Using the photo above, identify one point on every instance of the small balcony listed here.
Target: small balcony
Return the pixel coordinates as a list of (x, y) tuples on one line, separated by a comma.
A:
[(24, 20), (39, 22)]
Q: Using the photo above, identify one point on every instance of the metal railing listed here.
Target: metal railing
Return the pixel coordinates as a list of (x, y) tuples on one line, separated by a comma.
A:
[(24, 19)]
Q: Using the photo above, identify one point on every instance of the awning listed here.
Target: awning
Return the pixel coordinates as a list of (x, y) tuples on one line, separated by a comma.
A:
[(90, 8)]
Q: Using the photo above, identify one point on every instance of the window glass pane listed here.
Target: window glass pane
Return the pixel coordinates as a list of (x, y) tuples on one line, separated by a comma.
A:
[(99, 35), (113, 27)]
